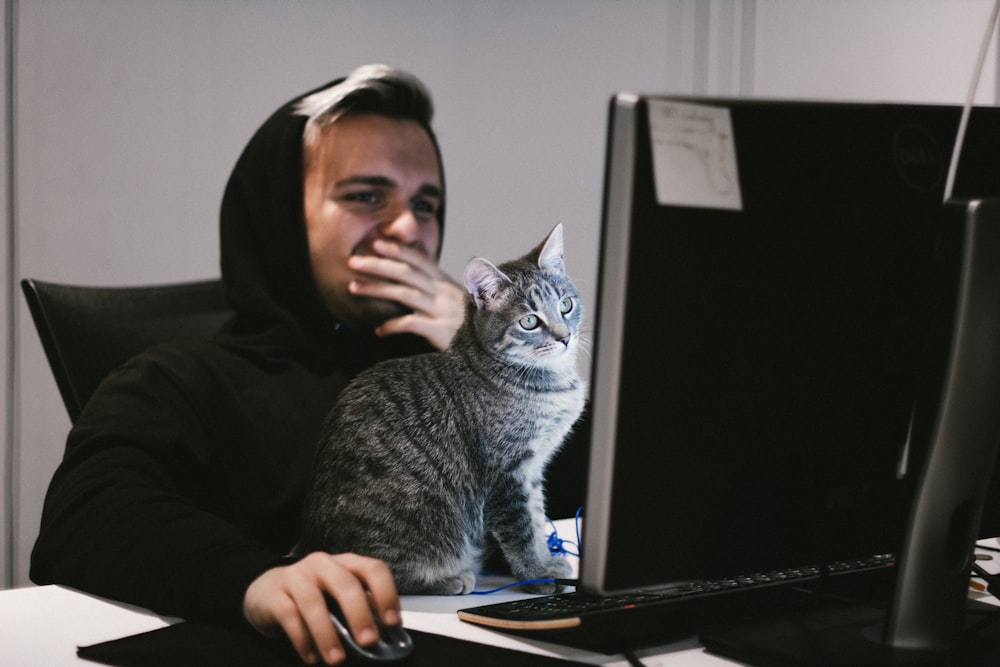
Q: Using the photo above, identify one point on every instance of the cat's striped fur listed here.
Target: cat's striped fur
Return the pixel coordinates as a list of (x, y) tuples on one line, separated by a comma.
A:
[(427, 459)]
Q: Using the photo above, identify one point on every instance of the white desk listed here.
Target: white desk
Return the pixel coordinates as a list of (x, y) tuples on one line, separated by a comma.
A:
[(43, 626)]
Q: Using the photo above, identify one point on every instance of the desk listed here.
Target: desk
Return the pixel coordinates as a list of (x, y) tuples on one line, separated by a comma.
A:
[(43, 626)]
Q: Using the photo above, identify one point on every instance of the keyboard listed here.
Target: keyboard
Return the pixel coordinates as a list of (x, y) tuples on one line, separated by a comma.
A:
[(566, 611)]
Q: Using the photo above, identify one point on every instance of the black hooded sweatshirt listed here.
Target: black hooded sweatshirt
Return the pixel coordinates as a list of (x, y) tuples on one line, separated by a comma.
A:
[(183, 477)]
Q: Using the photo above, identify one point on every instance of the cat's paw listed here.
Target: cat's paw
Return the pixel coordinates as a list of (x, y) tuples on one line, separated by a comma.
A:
[(556, 568), (461, 584), (542, 588)]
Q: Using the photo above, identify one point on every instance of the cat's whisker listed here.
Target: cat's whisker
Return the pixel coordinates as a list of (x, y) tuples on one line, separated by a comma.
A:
[(586, 346)]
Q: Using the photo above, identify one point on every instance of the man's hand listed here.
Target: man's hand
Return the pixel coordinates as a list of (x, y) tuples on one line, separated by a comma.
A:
[(289, 600), (409, 277)]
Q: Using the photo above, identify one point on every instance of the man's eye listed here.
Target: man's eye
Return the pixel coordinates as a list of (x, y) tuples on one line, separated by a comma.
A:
[(424, 207), (364, 197)]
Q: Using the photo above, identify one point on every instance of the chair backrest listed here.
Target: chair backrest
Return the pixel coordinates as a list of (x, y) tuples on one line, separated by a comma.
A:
[(89, 331)]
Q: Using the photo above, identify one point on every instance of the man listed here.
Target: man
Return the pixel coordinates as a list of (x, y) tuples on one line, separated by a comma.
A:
[(182, 480)]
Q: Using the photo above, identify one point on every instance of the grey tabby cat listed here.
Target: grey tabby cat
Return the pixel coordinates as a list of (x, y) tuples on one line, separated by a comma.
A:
[(424, 459)]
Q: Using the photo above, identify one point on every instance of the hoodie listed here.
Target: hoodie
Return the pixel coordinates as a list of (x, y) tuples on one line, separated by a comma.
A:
[(183, 478)]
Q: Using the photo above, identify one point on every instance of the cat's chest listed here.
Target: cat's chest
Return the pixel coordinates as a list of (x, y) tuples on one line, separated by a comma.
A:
[(537, 422), (539, 403), (567, 403)]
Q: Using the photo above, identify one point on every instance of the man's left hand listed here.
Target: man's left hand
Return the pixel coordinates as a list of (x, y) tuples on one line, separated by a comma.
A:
[(409, 277)]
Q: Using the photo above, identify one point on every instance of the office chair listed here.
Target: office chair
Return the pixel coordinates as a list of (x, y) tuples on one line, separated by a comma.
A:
[(89, 331)]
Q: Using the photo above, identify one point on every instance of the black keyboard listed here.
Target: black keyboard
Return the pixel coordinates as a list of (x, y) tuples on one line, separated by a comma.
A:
[(571, 610)]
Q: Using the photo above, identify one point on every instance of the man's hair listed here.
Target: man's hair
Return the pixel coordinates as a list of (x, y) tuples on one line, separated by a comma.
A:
[(377, 89)]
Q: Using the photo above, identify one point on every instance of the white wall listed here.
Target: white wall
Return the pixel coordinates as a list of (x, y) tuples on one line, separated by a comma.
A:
[(7, 308), (877, 50), (130, 114)]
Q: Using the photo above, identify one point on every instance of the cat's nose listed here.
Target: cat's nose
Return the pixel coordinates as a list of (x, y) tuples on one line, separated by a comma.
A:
[(565, 340)]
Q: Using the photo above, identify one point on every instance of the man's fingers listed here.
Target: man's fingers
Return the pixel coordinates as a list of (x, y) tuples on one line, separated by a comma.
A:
[(412, 256), (380, 586), (293, 599), (392, 270), (414, 299), (407, 276), (301, 640)]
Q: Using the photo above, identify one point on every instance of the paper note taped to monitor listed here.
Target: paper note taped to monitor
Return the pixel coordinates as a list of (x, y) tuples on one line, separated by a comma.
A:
[(694, 155)]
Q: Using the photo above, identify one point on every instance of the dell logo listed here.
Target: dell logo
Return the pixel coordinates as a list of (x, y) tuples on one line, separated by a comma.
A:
[(917, 157), (919, 160)]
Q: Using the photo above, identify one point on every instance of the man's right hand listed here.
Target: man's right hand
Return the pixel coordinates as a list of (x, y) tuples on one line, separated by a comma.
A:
[(290, 600)]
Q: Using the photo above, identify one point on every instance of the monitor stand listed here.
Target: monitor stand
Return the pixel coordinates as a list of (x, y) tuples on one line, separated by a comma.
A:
[(838, 634), (928, 621)]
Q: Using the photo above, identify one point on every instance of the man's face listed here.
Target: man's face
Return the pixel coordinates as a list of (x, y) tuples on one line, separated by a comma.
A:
[(369, 177)]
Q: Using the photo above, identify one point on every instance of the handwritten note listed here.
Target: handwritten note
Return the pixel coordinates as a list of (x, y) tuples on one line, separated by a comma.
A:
[(694, 155)]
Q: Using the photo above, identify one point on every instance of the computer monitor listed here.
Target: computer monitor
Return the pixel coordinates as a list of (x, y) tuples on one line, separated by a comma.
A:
[(776, 335)]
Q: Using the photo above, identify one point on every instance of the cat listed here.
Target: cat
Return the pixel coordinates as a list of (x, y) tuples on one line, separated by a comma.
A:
[(426, 460)]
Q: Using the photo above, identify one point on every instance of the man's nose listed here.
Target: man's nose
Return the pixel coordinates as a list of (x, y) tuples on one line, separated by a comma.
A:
[(401, 226)]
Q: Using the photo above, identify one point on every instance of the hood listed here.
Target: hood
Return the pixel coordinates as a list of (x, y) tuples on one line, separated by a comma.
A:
[(264, 251)]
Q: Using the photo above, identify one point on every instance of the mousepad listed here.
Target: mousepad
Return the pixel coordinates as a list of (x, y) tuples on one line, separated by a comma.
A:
[(197, 645)]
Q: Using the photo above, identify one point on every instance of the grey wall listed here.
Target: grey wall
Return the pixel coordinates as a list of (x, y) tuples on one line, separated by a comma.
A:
[(130, 113)]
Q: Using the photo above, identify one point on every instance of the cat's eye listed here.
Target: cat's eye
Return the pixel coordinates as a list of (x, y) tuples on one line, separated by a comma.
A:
[(566, 305), (529, 322)]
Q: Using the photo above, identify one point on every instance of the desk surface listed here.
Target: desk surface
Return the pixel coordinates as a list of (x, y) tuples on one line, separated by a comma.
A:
[(44, 625)]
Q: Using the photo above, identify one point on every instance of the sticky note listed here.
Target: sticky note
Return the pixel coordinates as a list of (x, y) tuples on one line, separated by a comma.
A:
[(694, 155)]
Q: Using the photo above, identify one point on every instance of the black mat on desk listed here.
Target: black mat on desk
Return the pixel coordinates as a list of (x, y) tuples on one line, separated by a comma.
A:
[(195, 645)]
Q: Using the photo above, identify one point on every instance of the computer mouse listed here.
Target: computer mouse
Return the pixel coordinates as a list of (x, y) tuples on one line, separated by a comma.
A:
[(394, 642)]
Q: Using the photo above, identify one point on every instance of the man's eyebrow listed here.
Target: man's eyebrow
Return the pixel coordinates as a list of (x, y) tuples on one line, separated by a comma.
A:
[(427, 190), (380, 181)]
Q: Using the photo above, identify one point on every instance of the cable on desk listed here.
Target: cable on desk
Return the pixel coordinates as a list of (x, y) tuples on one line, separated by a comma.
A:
[(560, 582), (557, 546), (633, 659)]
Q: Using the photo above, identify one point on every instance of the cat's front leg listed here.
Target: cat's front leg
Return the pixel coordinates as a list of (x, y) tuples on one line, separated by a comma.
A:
[(519, 526)]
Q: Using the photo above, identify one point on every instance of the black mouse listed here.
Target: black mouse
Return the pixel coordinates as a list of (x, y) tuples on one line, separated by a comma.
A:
[(394, 643)]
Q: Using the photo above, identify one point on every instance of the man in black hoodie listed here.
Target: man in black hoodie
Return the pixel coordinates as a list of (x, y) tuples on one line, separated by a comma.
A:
[(182, 480)]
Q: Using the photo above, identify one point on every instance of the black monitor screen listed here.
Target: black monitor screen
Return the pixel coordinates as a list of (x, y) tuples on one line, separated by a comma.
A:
[(764, 346)]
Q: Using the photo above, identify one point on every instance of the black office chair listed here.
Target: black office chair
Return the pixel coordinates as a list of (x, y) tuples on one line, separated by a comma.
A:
[(89, 331)]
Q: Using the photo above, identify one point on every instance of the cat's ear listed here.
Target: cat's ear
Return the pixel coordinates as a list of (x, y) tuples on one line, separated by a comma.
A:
[(550, 254), (484, 281)]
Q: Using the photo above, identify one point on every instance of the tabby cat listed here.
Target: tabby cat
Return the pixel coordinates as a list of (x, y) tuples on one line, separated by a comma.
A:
[(426, 460)]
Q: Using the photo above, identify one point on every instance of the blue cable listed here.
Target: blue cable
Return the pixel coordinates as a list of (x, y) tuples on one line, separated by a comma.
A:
[(516, 583), (557, 546)]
